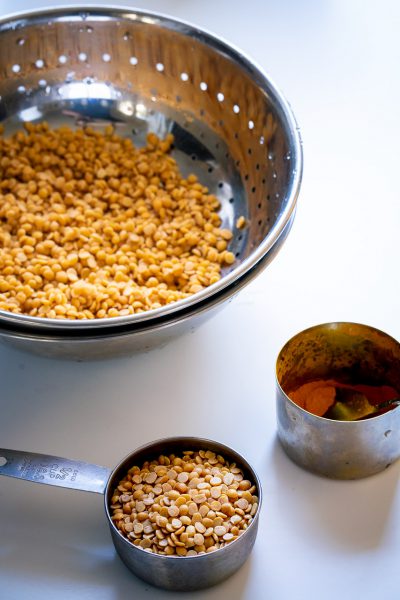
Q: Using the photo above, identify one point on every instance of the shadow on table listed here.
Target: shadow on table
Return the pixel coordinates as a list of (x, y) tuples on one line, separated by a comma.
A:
[(353, 515), (100, 568), (58, 539), (53, 401)]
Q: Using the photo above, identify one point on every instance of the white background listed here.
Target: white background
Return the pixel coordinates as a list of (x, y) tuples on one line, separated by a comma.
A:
[(338, 64)]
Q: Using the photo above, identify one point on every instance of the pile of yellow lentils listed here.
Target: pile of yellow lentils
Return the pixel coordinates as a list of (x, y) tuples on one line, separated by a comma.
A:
[(92, 227), (184, 505)]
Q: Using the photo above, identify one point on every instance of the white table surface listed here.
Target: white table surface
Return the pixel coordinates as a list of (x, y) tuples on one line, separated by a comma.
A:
[(338, 64)]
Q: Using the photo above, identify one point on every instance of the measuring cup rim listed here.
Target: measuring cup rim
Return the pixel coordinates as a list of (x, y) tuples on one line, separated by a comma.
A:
[(197, 441)]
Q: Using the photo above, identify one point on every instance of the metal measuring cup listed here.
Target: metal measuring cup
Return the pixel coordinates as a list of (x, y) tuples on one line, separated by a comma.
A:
[(184, 573), (341, 351)]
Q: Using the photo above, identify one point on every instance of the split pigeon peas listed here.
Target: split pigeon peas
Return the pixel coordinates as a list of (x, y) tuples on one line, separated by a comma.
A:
[(93, 227), (184, 505)]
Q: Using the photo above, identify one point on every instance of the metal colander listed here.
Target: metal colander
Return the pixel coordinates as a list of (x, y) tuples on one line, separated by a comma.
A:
[(144, 72)]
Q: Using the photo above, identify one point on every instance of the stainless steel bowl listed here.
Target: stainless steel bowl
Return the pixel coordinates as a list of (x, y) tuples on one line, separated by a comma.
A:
[(145, 72)]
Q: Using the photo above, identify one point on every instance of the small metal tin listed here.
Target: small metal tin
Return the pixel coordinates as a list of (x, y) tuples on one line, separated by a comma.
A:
[(341, 351)]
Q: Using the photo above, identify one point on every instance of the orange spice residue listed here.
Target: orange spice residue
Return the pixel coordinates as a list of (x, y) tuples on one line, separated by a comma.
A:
[(318, 396)]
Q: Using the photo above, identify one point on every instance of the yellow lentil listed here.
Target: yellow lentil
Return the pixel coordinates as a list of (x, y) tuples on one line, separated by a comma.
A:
[(188, 524), (93, 227), (241, 222)]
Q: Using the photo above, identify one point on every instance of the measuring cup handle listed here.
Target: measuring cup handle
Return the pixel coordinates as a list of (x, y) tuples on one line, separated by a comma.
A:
[(53, 470)]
